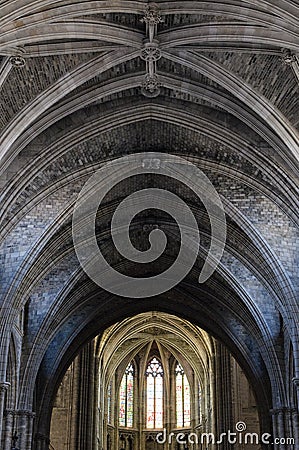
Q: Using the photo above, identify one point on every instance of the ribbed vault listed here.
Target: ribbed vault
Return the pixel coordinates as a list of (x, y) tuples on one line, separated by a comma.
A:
[(72, 85)]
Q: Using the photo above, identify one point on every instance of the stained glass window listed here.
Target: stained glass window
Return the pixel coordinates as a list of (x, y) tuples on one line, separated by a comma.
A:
[(154, 394), (182, 387), (126, 398)]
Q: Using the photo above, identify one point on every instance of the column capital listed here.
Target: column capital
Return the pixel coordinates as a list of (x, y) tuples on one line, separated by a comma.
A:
[(296, 382), (4, 385), (19, 412), (281, 410), (275, 411), (26, 412), (10, 412)]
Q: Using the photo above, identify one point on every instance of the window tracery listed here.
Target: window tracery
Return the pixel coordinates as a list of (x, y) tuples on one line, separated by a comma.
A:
[(154, 394)]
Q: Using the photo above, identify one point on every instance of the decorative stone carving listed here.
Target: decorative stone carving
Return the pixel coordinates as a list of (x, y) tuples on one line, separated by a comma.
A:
[(10, 412), (152, 18), (151, 86), (27, 413), (20, 412), (296, 382), (292, 60), (17, 61), (4, 386), (288, 57), (151, 52)]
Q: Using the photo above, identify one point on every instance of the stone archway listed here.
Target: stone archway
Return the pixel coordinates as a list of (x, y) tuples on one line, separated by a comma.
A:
[(85, 83), (226, 398)]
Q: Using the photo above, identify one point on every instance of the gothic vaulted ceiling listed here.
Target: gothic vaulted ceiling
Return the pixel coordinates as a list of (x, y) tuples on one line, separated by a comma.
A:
[(84, 82)]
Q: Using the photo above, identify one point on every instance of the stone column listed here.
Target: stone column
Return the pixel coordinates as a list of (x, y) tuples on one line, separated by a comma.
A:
[(223, 394), (295, 425), (3, 388), (82, 408), (74, 407), (285, 426), (291, 60), (96, 401), (211, 402), (281, 427), (42, 442), (8, 429), (274, 413), (296, 389), (289, 432), (295, 414), (30, 421), (24, 428), (86, 398)]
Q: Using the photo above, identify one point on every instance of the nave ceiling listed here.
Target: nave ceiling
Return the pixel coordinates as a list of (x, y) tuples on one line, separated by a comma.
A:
[(74, 95)]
